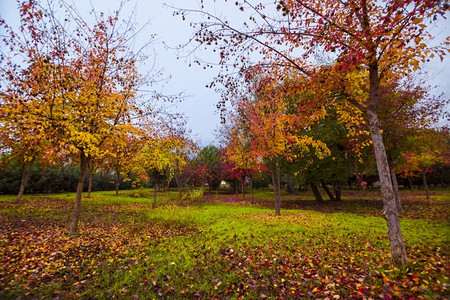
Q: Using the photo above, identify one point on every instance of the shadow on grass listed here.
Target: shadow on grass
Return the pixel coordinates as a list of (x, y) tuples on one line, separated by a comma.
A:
[(415, 205)]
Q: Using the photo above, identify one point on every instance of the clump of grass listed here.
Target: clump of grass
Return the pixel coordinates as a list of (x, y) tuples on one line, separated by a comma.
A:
[(195, 195)]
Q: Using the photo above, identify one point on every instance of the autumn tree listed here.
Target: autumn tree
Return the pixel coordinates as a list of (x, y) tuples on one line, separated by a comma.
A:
[(161, 154), (244, 162), (84, 79), (405, 110), (210, 158), (121, 149), (386, 40), (185, 148), (272, 127), (21, 140), (428, 148)]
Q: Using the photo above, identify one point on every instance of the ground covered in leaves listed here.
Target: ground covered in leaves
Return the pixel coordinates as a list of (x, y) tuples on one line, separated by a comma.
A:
[(221, 247)]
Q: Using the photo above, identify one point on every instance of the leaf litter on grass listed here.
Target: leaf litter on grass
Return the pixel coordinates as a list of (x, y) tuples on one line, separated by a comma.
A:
[(36, 251), (120, 253)]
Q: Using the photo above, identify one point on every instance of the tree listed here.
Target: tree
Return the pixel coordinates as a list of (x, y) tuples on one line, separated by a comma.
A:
[(83, 80), (405, 110), (244, 163), (210, 158), (272, 122), (21, 140), (429, 148), (121, 149), (160, 154), (385, 40)]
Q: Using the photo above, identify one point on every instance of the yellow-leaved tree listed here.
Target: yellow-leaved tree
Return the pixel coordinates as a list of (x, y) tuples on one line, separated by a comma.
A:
[(81, 81)]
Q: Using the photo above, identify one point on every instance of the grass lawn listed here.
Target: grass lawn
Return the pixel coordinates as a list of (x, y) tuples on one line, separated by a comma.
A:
[(221, 247)]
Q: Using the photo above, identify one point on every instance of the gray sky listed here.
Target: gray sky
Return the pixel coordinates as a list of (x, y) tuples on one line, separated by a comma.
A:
[(200, 104)]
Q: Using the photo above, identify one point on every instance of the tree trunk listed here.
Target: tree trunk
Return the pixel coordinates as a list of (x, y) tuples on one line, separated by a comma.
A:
[(84, 162), (243, 187), (26, 170), (396, 190), (316, 192), (441, 177), (275, 184), (179, 182), (337, 191), (155, 187), (410, 184), (117, 182), (398, 252), (327, 190), (425, 185), (278, 199), (90, 184)]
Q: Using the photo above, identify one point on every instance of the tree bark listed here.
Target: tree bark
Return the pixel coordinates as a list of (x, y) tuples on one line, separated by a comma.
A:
[(26, 170), (84, 162), (278, 199), (396, 190), (327, 190), (337, 191), (398, 252), (425, 185), (410, 184), (89, 185), (316, 192), (155, 187), (117, 182), (179, 184), (275, 184), (243, 187)]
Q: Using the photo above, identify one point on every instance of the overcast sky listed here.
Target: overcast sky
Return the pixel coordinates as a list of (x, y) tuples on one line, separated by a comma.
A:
[(199, 105)]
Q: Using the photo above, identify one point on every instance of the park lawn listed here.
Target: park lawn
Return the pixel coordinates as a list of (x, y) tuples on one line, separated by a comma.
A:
[(220, 247)]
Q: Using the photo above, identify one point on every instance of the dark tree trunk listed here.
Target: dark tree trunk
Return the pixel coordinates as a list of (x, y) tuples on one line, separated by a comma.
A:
[(117, 182), (278, 200), (327, 190), (425, 185), (243, 188), (411, 188), (398, 252), (179, 183), (441, 177), (396, 190), (155, 188), (275, 171), (84, 162), (337, 191), (316, 192), (90, 184), (26, 170)]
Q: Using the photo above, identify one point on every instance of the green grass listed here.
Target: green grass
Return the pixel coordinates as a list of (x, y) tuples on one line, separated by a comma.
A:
[(220, 247)]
